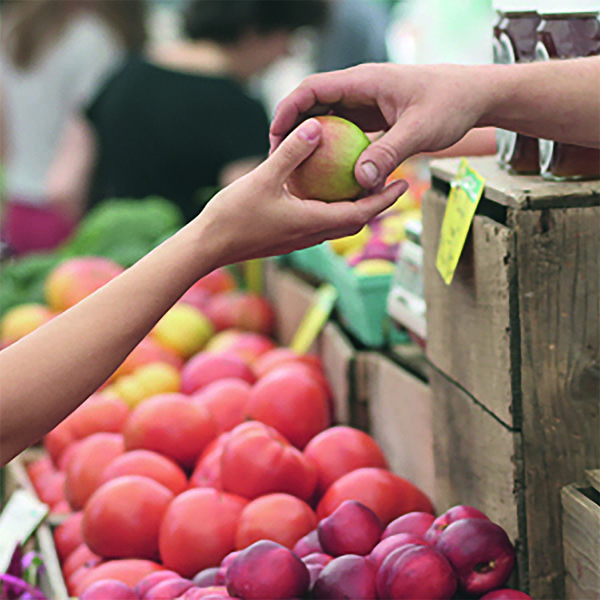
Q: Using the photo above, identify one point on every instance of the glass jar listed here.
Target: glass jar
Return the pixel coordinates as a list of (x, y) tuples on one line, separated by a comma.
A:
[(568, 32), (514, 42)]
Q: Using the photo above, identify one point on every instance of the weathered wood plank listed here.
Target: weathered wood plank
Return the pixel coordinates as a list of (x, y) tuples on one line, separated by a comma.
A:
[(581, 544), (593, 476), (399, 407), (523, 191), (469, 322), (559, 288), (475, 456)]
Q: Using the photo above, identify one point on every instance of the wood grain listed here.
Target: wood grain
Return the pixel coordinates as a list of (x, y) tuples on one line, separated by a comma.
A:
[(469, 321), (400, 418), (593, 477), (524, 191), (559, 288), (581, 544)]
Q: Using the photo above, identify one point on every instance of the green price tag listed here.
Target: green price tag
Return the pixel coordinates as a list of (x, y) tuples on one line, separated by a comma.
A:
[(314, 319), (465, 193)]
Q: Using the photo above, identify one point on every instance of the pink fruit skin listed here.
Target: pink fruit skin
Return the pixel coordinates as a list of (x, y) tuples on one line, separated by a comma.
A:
[(416, 523), (169, 589), (389, 544), (212, 593), (267, 570), (480, 553), (456, 513), (309, 544), (229, 558), (352, 528), (210, 576), (109, 588), (349, 576), (415, 573), (506, 595), (143, 586)]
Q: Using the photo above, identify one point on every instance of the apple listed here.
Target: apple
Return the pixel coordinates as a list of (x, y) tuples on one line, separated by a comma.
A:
[(506, 595), (267, 570), (387, 545), (328, 173), (348, 576), (450, 516), (415, 572), (352, 528), (309, 544), (480, 553), (416, 523)]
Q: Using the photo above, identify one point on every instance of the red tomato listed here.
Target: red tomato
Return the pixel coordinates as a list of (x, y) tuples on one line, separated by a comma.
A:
[(208, 468), (386, 494), (240, 310), (39, 468), (129, 571), (278, 517), (281, 356), (172, 425), (66, 455), (257, 460), (51, 488), (292, 402), (68, 535), (226, 400), (339, 450), (205, 368), (100, 412), (148, 464), (81, 556), (56, 440), (198, 530), (122, 517), (218, 281), (86, 467), (146, 352)]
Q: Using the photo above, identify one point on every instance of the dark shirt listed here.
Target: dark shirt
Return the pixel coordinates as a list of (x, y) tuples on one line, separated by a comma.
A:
[(170, 133)]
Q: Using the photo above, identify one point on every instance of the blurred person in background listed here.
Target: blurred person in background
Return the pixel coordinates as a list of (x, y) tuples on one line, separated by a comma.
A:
[(54, 54), (179, 118)]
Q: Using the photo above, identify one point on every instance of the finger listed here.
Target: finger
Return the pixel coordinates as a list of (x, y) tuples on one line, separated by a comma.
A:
[(384, 155), (294, 149)]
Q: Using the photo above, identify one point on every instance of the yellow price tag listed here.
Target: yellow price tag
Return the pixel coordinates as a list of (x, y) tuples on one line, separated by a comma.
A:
[(253, 274), (314, 319), (465, 193)]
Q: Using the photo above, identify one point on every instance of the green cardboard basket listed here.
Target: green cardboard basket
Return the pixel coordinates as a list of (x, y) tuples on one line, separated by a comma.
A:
[(314, 261)]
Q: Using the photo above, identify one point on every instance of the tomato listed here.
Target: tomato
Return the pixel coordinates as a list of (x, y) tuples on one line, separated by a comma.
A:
[(81, 556), (172, 425), (385, 493), (146, 352), (257, 460), (56, 440), (122, 517), (148, 464), (342, 449), (36, 469), (100, 412), (129, 571), (218, 281), (241, 310), (66, 455), (86, 467), (51, 488), (226, 400), (278, 357), (208, 468), (68, 535), (198, 530), (206, 368), (278, 517), (292, 402)]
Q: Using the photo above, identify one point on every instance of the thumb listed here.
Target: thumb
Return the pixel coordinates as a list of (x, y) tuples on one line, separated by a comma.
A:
[(381, 157), (296, 147)]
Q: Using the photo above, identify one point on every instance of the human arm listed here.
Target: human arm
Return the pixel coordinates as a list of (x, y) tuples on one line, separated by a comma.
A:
[(68, 178), (47, 374), (429, 108)]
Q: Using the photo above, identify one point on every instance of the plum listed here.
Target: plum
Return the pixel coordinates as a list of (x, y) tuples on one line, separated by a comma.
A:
[(349, 576), (416, 523), (389, 544), (109, 588), (309, 544), (450, 516)]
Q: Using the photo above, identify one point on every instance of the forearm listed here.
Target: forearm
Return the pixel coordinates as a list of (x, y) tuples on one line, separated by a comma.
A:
[(557, 100), (47, 374)]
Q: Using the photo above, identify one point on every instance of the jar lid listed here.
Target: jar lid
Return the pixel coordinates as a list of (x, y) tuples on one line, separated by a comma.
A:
[(515, 6), (567, 7)]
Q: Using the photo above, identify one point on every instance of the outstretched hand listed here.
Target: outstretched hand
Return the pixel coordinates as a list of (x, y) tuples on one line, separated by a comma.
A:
[(256, 216)]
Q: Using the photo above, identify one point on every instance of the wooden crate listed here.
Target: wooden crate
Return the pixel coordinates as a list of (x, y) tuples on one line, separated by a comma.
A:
[(291, 297), (518, 334), (398, 405), (15, 476), (581, 538)]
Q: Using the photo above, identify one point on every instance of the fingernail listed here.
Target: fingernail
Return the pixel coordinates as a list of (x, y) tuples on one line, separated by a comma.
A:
[(371, 172), (309, 130)]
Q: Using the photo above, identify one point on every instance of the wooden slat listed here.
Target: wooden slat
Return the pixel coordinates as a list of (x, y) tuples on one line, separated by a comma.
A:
[(523, 191), (400, 418), (468, 322), (581, 544), (593, 476), (559, 287)]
